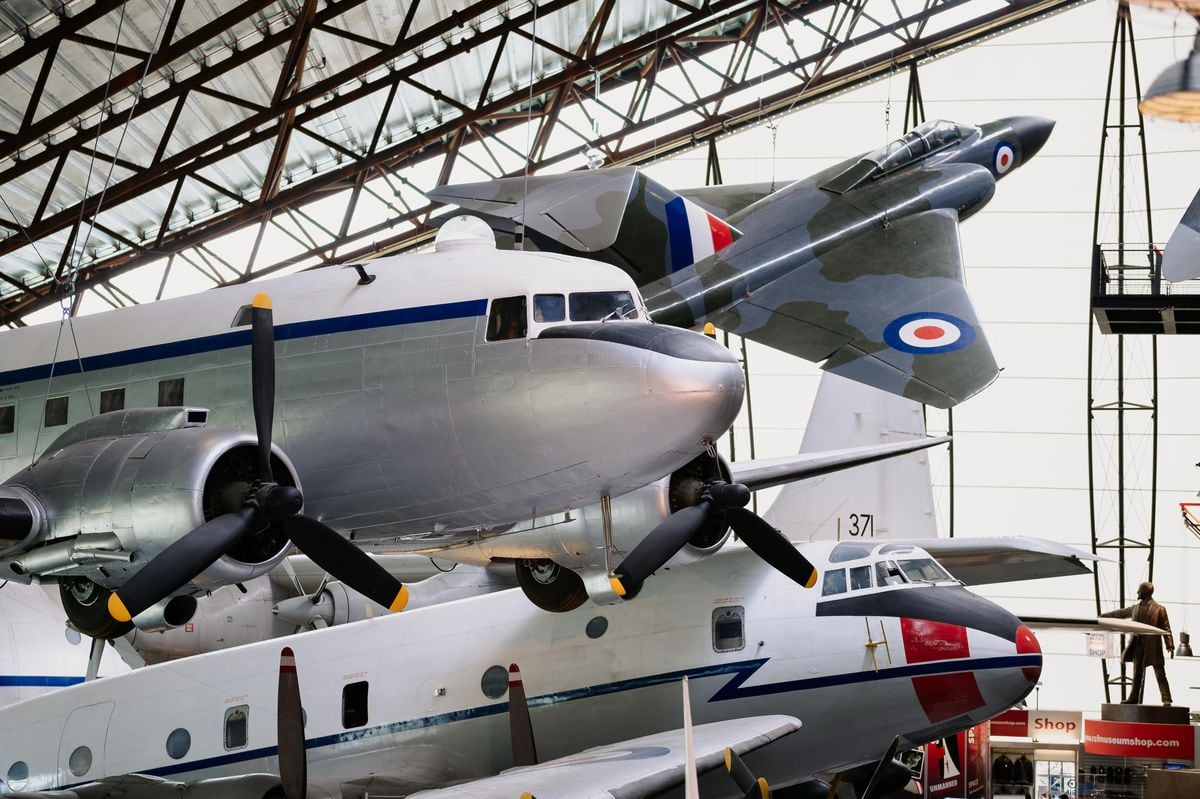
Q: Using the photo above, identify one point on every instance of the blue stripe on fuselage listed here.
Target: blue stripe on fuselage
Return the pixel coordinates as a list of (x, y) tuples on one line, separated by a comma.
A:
[(241, 338), (679, 234), (741, 671), (37, 681)]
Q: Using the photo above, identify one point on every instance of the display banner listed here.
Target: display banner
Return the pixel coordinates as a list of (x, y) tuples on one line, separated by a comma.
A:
[(957, 767), (1130, 739), (1011, 724), (1042, 726)]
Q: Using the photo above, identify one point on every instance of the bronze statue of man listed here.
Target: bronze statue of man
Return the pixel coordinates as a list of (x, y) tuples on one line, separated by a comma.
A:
[(1146, 650)]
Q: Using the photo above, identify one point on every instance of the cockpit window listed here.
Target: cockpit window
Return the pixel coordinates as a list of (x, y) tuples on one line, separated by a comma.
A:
[(888, 573), (923, 570), (921, 140), (849, 551), (508, 319), (835, 582), (549, 308), (595, 306), (860, 577)]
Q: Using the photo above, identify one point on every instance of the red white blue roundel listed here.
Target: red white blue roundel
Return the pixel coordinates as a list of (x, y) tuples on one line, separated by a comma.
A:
[(928, 333), (1004, 157)]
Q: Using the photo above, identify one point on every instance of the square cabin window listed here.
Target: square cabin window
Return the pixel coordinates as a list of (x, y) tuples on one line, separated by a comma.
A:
[(56, 411), (835, 582), (549, 308), (112, 399), (728, 629), (170, 392), (237, 726), (8, 419), (508, 319), (860, 577), (354, 704)]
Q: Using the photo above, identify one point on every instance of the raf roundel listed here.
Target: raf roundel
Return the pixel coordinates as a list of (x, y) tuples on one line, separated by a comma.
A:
[(1004, 157), (928, 333)]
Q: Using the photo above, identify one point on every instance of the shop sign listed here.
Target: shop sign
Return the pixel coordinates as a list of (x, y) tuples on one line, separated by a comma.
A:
[(1055, 726), (1130, 739), (1102, 645), (1011, 724)]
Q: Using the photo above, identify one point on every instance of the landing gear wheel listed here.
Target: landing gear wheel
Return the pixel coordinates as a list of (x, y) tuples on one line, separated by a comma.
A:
[(550, 586), (86, 605)]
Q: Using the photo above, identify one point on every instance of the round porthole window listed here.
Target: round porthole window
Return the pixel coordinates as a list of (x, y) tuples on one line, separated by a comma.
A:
[(18, 775), (73, 636), (494, 682), (597, 627), (81, 761), (179, 742)]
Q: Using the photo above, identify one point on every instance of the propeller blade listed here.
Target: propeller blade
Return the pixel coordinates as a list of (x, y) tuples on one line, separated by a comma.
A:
[(770, 545), (887, 758), (179, 563), (262, 379), (751, 787), (520, 728), (289, 732), (659, 546), (346, 562)]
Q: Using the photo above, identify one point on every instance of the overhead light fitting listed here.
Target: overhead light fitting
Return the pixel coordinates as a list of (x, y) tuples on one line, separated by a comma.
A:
[(1175, 94)]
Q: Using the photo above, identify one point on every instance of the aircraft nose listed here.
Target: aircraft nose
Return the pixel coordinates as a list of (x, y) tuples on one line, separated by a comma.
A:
[(1032, 132), (1027, 645)]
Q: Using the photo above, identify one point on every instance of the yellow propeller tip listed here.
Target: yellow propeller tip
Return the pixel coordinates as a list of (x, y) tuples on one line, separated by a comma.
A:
[(261, 300), (400, 601), (728, 760), (763, 788), (812, 579), (617, 588), (117, 609), (710, 329)]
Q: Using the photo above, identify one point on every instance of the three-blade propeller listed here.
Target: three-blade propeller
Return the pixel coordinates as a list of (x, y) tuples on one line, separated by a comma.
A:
[(727, 502), (267, 502)]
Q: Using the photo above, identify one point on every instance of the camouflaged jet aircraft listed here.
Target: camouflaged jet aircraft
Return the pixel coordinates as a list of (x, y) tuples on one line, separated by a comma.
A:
[(858, 266)]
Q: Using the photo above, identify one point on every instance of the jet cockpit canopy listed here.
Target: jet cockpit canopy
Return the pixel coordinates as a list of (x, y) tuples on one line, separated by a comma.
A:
[(918, 143)]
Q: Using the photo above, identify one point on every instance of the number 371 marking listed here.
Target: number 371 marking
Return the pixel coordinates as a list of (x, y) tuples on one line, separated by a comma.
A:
[(862, 524)]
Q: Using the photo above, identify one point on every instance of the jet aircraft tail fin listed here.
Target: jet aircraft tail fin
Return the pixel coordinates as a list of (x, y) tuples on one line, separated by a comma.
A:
[(889, 498), (618, 214), (1181, 258)]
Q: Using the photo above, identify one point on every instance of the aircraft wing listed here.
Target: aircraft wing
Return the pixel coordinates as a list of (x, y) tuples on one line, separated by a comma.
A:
[(626, 770), (889, 308), (1096, 625), (1181, 257), (980, 561), (770, 472)]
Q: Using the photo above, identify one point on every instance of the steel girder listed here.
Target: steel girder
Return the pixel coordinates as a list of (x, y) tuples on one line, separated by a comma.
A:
[(702, 71)]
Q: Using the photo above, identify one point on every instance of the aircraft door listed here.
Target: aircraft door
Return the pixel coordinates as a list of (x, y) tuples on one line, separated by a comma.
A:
[(81, 748)]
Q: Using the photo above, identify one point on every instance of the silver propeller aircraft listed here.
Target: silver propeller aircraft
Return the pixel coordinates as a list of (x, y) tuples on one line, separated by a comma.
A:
[(441, 399), (858, 266)]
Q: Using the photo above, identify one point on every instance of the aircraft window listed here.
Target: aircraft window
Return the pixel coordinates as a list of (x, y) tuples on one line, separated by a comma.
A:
[(596, 306), (549, 308), (56, 411), (849, 551), (179, 742), (170, 392), (237, 727), (895, 549), (925, 138), (354, 704), (508, 319), (729, 634), (597, 627), (494, 682), (244, 316), (80, 762), (835, 582), (860, 577), (888, 573), (923, 569), (112, 399), (8, 419), (18, 775)]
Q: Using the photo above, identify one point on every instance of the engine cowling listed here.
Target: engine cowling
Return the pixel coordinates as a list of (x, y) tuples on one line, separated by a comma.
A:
[(111, 501)]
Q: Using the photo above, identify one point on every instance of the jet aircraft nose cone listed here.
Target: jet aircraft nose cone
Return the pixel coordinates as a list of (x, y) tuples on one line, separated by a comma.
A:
[(1027, 644), (1032, 132)]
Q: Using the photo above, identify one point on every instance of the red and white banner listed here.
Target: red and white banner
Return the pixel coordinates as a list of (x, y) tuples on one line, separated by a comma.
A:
[(1130, 739)]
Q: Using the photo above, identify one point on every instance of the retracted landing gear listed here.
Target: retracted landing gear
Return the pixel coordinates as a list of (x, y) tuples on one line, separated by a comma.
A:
[(550, 586), (86, 605)]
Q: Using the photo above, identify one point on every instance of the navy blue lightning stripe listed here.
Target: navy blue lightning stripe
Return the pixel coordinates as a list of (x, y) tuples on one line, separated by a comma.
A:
[(741, 671), (241, 338), (37, 681), (679, 235)]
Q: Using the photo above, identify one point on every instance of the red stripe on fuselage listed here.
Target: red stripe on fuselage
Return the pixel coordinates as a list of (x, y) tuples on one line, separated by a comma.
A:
[(933, 640), (944, 696)]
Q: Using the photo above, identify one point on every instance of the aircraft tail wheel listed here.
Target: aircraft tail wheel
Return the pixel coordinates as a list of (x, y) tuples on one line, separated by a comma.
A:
[(86, 605), (549, 586)]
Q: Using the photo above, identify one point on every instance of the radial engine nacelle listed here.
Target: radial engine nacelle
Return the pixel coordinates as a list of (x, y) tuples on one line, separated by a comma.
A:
[(115, 490)]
